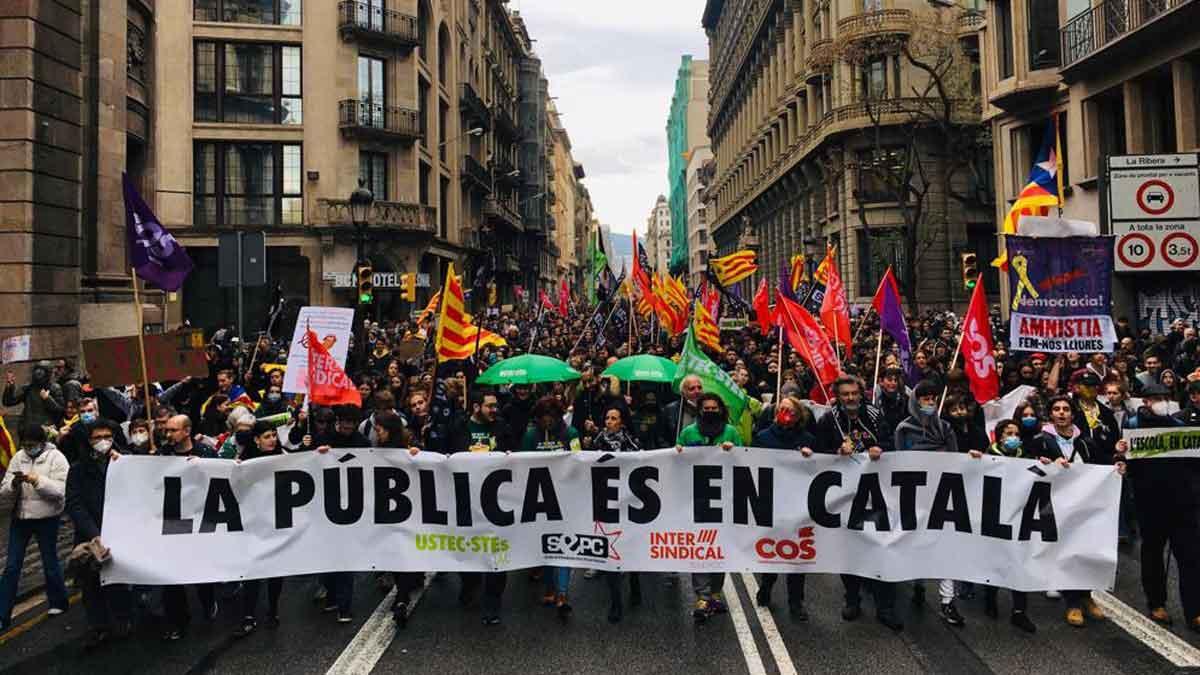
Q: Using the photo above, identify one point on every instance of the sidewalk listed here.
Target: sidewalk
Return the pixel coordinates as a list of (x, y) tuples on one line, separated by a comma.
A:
[(32, 579)]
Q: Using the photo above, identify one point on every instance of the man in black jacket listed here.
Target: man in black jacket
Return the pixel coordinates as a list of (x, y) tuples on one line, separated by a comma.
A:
[(891, 399), (852, 427), (108, 608)]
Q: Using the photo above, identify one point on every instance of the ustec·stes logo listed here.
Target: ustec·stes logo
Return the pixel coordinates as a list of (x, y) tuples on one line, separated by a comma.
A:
[(799, 551)]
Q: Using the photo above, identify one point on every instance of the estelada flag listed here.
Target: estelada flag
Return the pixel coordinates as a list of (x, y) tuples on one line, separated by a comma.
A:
[(7, 447), (806, 337), (328, 384), (979, 363)]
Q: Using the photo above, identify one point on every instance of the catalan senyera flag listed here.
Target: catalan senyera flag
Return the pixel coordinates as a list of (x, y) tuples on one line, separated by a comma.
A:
[(799, 272), (668, 315), (456, 334), (1044, 188), (705, 328), (734, 267), (7, 447), (430, 308)]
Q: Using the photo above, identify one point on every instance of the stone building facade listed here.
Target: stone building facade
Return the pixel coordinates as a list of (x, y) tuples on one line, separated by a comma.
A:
[(807, 104)]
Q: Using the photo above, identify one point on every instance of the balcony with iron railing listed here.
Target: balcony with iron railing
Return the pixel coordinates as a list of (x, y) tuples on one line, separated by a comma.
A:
[(820, 59), (1114, 29), (385, 216), (875, 24), (360, 20), (498, 211), (473, 107), (370, 120), (505, 123), (473, 170), (970, 22)]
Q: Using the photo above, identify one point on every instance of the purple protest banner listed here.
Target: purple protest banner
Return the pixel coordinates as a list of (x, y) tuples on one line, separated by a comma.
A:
[(1061, 294), (153, 253)]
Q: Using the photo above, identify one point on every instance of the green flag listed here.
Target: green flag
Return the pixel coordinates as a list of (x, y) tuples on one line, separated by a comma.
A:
[(693, 361), (599, 263)]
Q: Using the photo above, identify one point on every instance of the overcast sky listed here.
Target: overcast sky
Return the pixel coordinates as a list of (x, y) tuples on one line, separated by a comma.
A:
[(612, 65)]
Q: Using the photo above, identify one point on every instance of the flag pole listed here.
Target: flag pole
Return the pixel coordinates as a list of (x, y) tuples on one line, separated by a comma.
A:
[(137, 304), (878, 356), (953, 362), (779, 369), (862, 323), (536, 324)]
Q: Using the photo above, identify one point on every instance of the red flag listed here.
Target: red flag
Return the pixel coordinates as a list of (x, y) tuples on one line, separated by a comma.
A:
[(835, 313), (327, 382), (806, 337), (545, 301), (564, 299), (762, 307), (978, 361)]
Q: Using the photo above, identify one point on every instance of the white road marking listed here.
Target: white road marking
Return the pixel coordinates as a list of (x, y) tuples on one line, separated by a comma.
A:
[(754, 662), (774, 640), (364, 651), (1172, 647)]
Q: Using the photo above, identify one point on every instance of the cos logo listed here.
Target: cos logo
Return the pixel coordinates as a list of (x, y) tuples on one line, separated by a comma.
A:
[(801, 548)]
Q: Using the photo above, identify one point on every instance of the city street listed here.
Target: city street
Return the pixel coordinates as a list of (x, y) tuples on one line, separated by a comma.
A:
[(658, 637)]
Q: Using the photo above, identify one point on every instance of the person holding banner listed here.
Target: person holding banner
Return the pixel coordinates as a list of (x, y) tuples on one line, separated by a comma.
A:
[(483, 432), (1008, 444), (549, 433), (1166, 496), (710, 428), (853, 428), (1062, 443), (175, 603), (788, 432), (266, 444), (615, 437)]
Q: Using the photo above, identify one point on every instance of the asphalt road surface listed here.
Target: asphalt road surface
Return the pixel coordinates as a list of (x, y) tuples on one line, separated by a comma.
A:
[(657, 637)]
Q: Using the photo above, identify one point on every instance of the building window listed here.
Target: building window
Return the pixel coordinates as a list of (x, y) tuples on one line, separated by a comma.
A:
[(373, 172), (1043, 34), (1004, 37), (879, 248), (872, 5), (254, 184), (248, 83), (880, 173), (873, 79), (372, 95), (277, 12)]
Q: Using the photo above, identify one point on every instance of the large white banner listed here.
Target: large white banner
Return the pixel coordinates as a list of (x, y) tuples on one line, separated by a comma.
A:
[(1007, 522), (332, 325)]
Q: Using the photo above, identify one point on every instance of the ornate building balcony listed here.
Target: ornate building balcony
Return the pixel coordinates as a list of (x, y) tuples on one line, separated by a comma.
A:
[(880, 23), (385, 216), (360, 20), (373, 121), (820, 60), (1102, 35), (970, 22), (473, 107)]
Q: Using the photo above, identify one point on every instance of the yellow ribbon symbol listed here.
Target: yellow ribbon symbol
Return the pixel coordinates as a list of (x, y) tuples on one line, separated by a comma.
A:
[(1021, 265)]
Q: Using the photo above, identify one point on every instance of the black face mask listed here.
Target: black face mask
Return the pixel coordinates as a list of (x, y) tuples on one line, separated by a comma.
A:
[(244, 438), (710, 419)]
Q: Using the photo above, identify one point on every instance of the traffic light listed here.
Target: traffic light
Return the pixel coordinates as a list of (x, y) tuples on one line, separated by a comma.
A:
[(970, 270), (366, 284), (408, 283)]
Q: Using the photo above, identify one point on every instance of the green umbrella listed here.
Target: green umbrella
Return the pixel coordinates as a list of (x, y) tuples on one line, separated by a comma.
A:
[(642, 368), (528, 369)]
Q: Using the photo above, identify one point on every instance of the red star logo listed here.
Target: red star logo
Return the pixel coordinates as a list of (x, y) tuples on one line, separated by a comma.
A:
[(612, 540)]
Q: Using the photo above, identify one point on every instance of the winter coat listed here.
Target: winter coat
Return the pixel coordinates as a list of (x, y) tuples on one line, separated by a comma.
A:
[(615, 441), (38, 411), (561, 439), (691, 436), (1046, 444), (49, 497), (868, 429), (782, 438), (929, 433), (85, 497)]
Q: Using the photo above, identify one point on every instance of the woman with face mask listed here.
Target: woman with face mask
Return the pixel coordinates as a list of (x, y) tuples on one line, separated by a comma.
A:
[(614, 438), (37, 477), (710, 428), (1009, 444), (787, 432)]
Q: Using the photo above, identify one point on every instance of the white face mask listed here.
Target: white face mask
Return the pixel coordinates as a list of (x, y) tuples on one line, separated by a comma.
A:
[(140, 438), (1160, 408), (103, 446)]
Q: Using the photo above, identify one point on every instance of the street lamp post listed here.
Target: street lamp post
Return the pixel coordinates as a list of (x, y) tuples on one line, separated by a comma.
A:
[(361, 201)]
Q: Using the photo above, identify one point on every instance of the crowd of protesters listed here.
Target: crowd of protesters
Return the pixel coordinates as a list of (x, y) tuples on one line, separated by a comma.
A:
[(69, 432)]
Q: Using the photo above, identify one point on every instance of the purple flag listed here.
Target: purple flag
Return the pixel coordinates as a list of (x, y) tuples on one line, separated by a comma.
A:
[(891, 320), (153, 253), (785, 281)]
